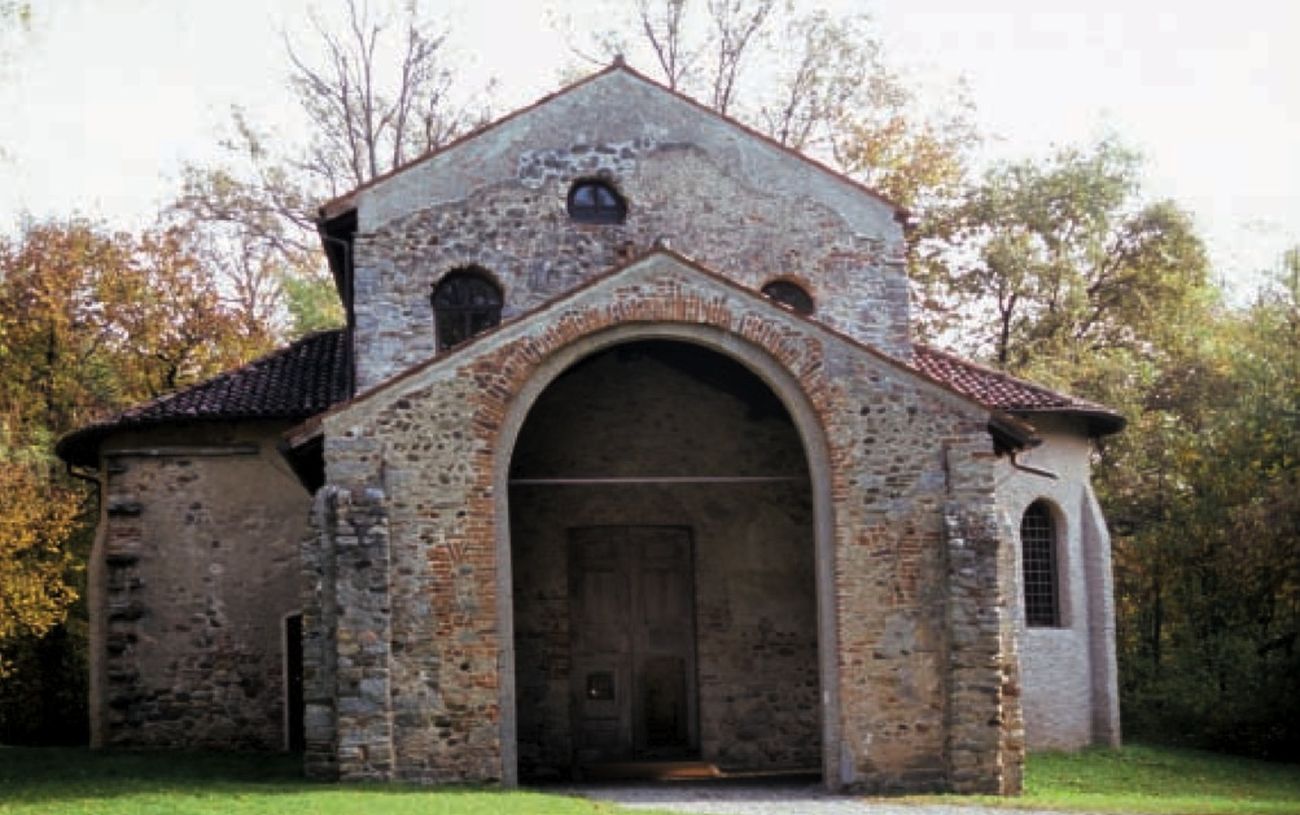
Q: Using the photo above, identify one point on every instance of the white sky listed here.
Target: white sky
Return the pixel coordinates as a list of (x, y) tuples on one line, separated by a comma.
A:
[(105, 99)]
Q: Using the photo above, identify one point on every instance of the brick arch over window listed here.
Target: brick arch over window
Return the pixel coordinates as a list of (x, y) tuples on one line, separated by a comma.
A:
[(1040, 535), (532, 377)]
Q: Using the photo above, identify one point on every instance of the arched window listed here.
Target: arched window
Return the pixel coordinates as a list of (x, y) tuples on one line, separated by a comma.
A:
[(1038, 559), (596, 202), (465, 302), (791, 294)]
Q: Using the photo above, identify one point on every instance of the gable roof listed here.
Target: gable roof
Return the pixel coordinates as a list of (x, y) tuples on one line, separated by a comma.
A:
[(1000, 390), (293, 383), (347, 201), (314, 374), (990, 389)]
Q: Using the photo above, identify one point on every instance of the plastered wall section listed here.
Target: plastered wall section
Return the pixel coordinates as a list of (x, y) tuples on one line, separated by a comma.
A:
[(754, 586), (915, 684), (194, 570), (1070, 691), (726, 198)]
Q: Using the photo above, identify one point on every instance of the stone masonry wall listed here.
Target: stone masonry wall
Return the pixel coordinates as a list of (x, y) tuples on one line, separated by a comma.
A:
[(714, 199), (429, 444), (632, 413), (196, 569)]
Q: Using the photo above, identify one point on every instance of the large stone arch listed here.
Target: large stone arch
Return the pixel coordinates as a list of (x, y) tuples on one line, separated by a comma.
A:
[(789, 389)]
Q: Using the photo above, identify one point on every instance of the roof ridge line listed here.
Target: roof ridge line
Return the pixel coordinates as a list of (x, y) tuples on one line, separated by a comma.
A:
[(333, 206)]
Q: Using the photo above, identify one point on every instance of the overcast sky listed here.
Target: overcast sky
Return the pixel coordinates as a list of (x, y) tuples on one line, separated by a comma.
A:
[(106, 99)]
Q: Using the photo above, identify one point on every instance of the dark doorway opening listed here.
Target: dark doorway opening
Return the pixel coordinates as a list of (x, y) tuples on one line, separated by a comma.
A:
[(295, 739), (662, 558)]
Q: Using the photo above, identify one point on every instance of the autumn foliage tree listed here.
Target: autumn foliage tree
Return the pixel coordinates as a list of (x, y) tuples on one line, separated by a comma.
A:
[(38, 516), (91, 322)]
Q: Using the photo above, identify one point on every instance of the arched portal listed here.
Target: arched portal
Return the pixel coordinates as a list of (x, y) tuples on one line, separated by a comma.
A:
[(663, 547)]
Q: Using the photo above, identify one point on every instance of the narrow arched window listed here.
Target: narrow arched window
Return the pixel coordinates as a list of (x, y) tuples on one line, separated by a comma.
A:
[(790, 294), (465, 302), (596, 202), (1038, 559)]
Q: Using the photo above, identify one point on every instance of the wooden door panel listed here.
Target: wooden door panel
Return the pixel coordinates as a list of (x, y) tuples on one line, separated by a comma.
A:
[(662, 686), (633, 642)]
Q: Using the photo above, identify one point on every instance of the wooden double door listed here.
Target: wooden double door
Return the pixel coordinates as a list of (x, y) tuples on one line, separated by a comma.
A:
[(632, 640)]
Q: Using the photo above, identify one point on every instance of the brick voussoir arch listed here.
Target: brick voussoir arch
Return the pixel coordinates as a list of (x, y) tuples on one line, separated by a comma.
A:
[(500, 375), (787, 359)]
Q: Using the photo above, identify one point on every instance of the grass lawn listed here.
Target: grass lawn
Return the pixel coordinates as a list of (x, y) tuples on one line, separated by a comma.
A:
[(66, 781), (1158, 780)]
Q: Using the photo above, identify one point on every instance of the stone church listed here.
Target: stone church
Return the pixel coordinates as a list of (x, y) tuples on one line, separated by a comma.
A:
[(624, 456)]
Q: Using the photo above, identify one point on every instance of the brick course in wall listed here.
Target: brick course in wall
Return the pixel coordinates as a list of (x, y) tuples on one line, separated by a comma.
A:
[(917, 709)]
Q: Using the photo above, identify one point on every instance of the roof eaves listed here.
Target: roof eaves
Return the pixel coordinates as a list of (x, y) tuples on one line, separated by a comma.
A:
[(306, 430), (1102, 420), (80, 446)]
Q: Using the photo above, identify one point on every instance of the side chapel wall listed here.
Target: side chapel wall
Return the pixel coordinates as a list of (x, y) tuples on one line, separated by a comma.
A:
[(194, 570), (1070, 691)]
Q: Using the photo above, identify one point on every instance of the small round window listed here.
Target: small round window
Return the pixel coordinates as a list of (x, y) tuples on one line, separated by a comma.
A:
[(596, 202), (790, 294)]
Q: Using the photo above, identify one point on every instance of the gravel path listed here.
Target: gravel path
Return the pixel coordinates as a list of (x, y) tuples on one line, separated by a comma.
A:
[(727, 798)]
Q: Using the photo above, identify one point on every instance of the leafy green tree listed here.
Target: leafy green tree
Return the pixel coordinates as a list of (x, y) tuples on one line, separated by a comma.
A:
[(1209, 509), (1061, 260)]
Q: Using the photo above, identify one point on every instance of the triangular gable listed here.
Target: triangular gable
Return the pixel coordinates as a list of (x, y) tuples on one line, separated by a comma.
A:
[(595, 110), (653, 265)]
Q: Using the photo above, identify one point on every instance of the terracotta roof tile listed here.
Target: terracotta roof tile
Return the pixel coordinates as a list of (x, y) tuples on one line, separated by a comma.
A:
[(295, 382), (313, 374), (1001, 391)]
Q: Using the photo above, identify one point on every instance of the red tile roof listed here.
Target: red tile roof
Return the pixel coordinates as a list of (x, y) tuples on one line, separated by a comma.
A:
[(314, 374), (293, 383), (999, 390)]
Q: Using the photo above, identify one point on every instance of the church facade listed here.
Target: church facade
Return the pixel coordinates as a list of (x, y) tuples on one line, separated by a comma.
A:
[(625, 456)]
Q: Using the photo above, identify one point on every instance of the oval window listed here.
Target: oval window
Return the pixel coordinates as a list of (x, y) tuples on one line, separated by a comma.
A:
[(790, 294), (596, 202)]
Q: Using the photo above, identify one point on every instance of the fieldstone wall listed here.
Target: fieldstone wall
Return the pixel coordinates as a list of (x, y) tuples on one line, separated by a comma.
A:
[(195, 569), (651, 410), (909, 710), (347, 688), (738, 205), (319, 560)]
